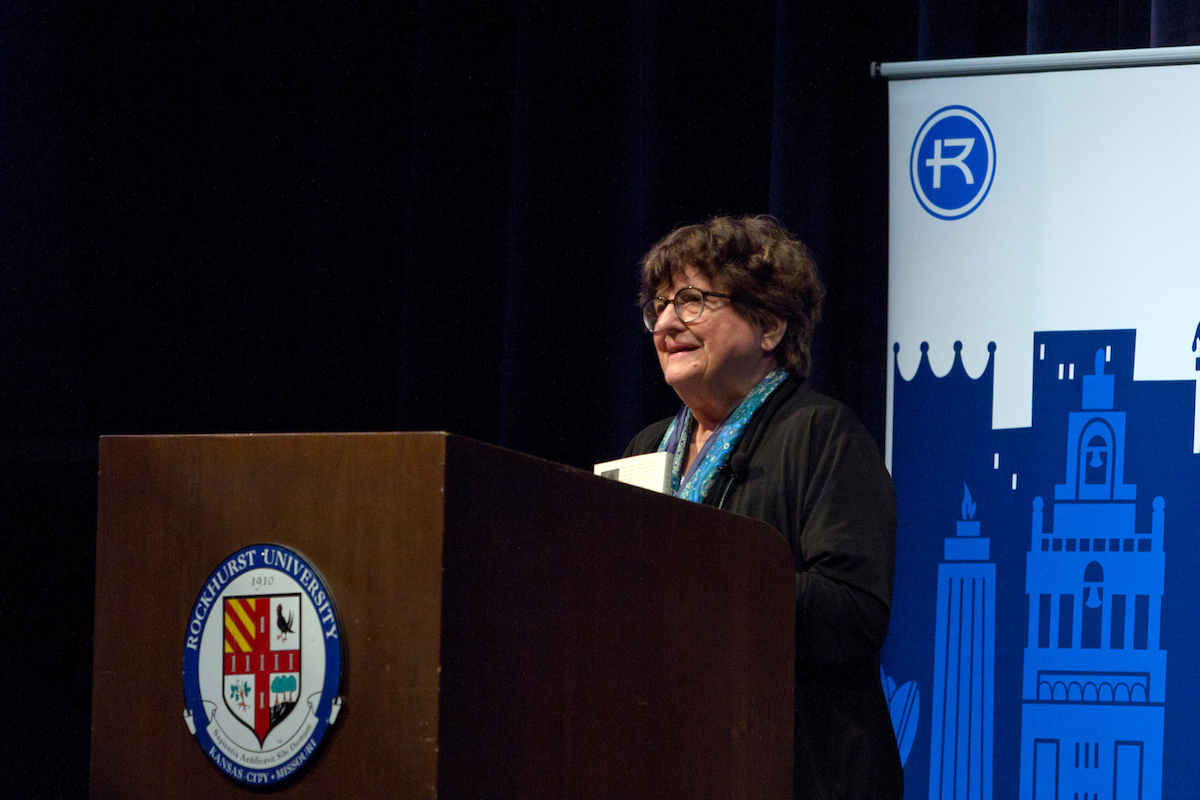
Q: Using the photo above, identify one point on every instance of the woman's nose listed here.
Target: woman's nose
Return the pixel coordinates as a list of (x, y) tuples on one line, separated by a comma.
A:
[(668, 320)]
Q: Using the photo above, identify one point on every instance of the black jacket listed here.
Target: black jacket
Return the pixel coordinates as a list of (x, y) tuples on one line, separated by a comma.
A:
[(807, 466)]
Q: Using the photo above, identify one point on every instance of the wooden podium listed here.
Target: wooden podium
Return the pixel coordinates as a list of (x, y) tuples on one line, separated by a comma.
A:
[(512, 628)]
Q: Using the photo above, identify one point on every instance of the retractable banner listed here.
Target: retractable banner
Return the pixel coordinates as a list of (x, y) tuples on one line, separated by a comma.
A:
[(1044, 320)]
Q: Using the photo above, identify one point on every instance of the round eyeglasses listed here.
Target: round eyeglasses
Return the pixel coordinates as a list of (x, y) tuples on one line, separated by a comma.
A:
[(688, 302)]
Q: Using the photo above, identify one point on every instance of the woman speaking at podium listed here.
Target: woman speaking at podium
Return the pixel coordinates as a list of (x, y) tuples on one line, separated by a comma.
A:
[(732, 304)]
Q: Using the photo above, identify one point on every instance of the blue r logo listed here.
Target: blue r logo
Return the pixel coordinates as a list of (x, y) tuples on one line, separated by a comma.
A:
[(953, 161)]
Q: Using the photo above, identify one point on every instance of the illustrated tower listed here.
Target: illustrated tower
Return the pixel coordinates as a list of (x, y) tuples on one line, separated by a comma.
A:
[(964, 665), (1094, 681)]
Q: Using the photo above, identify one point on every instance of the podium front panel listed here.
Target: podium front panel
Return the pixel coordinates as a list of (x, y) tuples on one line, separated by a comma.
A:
[(511, 628)]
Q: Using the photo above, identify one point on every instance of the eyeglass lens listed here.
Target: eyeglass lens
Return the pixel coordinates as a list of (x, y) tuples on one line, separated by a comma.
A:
[(689, 304)]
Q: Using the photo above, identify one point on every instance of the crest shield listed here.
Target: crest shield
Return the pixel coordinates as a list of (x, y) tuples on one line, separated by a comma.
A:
[(261, 660)]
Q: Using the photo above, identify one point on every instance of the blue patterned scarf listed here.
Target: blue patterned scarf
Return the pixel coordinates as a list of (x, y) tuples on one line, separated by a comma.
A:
[(716, 451)]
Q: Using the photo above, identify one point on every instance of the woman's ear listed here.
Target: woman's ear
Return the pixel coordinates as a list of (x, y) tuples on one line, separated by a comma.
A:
[(772, 333)]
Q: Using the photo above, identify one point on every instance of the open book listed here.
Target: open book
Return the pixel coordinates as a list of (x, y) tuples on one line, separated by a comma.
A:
[(650, 471)]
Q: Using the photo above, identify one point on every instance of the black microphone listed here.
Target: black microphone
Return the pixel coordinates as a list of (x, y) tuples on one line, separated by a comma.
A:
[(739, 465), (738, 468)]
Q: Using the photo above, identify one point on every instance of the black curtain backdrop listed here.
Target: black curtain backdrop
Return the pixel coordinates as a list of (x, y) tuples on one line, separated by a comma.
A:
[(330, 216)]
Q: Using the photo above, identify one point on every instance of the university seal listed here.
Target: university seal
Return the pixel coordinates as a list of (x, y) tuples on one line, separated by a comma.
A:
[(262, 665)]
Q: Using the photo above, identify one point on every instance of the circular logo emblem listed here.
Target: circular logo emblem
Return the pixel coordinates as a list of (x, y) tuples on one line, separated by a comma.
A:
[(262, 665), (953, 161)]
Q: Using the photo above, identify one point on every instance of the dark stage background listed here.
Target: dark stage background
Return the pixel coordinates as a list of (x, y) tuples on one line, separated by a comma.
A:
[(310, 216)]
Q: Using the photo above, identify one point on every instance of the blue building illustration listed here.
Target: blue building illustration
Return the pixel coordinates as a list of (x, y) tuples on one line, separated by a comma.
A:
[(1038, 632), (1094, 683), (964, 665)]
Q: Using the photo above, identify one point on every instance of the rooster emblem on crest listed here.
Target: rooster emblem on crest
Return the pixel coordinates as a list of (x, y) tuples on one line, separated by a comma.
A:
[(283, 624)]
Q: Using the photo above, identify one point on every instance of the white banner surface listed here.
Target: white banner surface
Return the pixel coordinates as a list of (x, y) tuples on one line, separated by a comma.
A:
[(1092, 221), (1044, 316)]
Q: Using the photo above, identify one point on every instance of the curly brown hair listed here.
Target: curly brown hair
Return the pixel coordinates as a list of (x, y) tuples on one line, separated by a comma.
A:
[(765, 270)]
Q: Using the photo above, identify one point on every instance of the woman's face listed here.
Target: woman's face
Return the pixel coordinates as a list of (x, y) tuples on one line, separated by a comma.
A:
[(716, 360)]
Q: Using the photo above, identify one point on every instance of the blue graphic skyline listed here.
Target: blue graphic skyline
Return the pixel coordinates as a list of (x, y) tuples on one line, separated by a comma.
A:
[(1082, 626)]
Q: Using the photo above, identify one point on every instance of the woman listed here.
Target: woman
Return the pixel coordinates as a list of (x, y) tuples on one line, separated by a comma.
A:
[(732, 304)]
